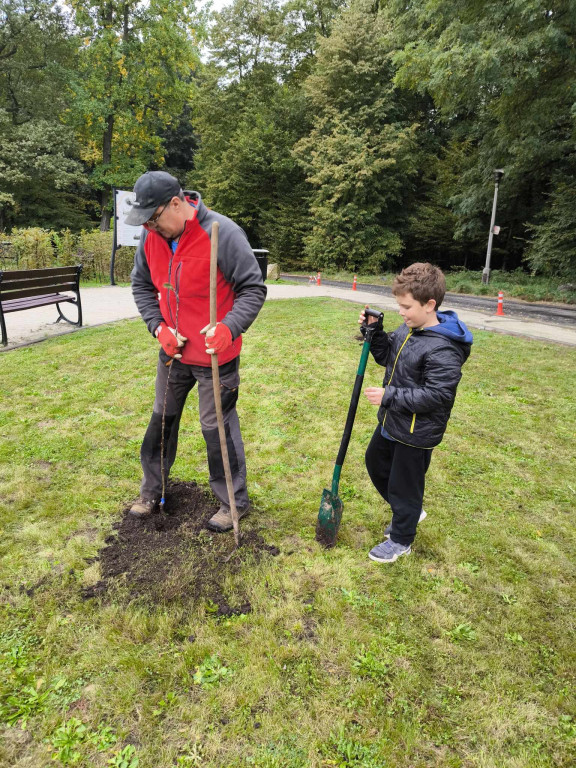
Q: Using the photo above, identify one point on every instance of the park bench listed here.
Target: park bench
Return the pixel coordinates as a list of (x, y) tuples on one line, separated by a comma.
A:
[(29, 288)]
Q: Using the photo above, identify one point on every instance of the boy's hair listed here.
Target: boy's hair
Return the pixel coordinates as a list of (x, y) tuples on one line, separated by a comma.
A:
[(423, 280)]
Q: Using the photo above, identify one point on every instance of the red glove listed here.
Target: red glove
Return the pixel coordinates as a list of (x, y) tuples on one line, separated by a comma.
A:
[(218, 338), (171, 341)]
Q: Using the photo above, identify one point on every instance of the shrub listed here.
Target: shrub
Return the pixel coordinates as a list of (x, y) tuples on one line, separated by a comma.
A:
[(93, 252), (463, 287), (65, 246), (123, 264), (33, 247), (36, 248)]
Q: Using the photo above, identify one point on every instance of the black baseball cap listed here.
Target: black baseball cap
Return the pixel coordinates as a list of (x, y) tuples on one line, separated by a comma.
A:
[(152, 189)]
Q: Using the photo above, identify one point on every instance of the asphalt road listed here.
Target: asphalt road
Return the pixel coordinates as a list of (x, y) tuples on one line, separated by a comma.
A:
[(551, 313)]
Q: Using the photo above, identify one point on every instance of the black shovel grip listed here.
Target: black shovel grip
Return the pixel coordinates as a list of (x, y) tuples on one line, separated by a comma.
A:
[(371, 327)]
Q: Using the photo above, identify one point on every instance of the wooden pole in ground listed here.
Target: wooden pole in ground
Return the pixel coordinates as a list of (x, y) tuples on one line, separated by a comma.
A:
[(216, 384)]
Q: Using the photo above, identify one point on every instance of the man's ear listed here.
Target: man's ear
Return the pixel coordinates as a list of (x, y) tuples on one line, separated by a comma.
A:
[(431, 305)]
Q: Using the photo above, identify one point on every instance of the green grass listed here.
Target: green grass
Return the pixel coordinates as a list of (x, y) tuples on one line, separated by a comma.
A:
[(94, 283), (517, 284), (461, 655)]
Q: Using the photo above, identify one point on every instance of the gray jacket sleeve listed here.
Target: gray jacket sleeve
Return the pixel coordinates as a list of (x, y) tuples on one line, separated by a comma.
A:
[(143, 289), (240, 268)]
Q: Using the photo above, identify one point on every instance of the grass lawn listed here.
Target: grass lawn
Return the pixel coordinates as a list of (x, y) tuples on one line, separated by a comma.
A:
[(461, 655)]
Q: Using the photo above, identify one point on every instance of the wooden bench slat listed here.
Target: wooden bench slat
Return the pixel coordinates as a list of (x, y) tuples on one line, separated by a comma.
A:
[(41, 291), (22, 274), (13, 305), (47, 283), (29, 288)]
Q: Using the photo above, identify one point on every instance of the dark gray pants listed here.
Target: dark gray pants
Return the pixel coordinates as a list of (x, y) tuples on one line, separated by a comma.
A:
[(183, 377)]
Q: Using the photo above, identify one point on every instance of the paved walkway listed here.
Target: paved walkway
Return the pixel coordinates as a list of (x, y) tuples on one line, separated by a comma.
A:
[(106, 304)]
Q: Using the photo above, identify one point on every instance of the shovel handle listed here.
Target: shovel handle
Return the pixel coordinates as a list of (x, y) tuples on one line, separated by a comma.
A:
[(353, 406), (369, 332), (379, 320)]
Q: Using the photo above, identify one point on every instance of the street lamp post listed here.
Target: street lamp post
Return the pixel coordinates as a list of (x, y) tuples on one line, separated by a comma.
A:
[(498, 173)]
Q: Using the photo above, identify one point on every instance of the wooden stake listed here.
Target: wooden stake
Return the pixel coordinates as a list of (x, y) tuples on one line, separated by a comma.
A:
[(216, 384)]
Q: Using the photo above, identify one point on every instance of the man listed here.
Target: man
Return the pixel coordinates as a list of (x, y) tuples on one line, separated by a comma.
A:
[(171, 285)]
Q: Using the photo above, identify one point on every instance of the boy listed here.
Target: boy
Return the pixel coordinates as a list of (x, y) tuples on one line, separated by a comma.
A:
[(423, 360)]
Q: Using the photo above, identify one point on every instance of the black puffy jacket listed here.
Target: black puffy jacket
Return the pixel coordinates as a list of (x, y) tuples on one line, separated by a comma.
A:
[(423, 369)]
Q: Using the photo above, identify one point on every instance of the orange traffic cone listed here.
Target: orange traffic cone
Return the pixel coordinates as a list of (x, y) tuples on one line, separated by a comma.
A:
[(354, 284), (318, 280), (500, 310)]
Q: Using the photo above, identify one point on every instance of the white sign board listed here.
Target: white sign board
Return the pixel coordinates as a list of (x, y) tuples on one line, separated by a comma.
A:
[(125, 234)]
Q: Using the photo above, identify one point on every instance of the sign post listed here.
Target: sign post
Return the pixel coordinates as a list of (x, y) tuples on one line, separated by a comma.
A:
[(124, 234), (498, 173)]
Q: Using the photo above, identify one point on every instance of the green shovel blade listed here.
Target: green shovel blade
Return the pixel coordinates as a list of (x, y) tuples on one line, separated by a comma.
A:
[(329, 518)]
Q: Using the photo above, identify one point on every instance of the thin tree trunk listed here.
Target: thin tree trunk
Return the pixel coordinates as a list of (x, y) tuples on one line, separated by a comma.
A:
[(106, 158), (106, 215)]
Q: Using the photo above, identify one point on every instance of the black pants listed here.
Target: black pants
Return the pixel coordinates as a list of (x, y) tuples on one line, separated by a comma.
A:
[(398, 472)]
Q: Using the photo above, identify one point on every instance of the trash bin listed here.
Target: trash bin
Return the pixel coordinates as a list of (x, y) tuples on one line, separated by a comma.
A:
[(262, 259)]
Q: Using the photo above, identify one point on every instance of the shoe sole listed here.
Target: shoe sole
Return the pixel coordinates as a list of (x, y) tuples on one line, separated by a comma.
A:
[(423, 516), (218, 528), (388, 560), (215, 528), (134, 513)]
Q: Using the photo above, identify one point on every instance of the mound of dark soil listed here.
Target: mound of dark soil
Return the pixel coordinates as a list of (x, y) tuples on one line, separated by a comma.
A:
[(171, 555)]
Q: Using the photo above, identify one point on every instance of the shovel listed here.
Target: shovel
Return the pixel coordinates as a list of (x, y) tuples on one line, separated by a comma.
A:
[(331, 506), (216, 385)]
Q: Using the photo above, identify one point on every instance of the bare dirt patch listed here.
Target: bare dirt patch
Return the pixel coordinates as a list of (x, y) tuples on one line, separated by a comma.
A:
[(172, 556)]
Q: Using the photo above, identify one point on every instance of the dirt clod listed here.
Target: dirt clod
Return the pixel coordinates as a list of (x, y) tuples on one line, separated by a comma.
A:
[(324, 537), (172, 556)]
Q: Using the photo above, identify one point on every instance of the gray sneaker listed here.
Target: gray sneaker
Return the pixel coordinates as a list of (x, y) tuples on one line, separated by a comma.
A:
[(222, 520), (143, 507), (388, 529), (389, 551)]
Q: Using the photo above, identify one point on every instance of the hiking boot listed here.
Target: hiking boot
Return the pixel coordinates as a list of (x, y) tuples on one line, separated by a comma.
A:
[(143, 507), (222, 520), (388, 528), (389, 551)]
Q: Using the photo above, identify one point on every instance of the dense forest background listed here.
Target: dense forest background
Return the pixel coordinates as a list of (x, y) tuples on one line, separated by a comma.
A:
[(351, 135)]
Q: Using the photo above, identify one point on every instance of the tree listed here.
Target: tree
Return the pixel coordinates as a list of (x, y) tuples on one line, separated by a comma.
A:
[(361, 156), (502, 77), (553, 248), (249, 114), (433, 230), (245, 166), (39, 177), (39, 168), (244, 36), (134, 80)]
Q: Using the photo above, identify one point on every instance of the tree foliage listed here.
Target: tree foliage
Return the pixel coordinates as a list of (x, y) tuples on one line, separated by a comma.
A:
[(134, 80), (39, 168), (553, 248), (502, 77), (357, 134), (361, 155), (250, 112)]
